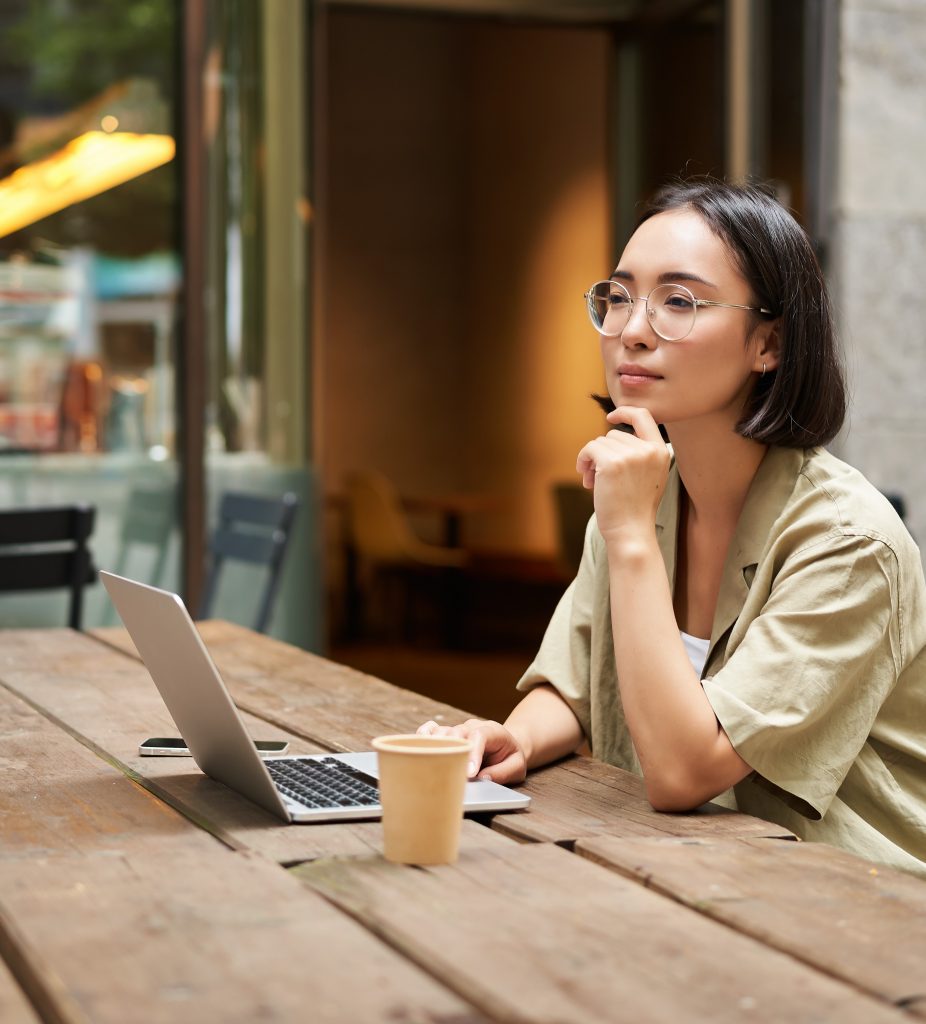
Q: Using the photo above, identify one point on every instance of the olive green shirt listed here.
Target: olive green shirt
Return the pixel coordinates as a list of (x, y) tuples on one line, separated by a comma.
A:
[(816, 669)]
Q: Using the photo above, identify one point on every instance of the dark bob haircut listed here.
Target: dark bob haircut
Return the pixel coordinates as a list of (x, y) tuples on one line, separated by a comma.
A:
[(803, 402)]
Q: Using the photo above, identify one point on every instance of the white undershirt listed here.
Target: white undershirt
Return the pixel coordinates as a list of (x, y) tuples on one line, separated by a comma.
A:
[(696, 649)]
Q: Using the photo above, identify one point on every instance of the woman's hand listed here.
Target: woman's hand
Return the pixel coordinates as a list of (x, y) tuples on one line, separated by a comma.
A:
[(628, 474), (495, 750)]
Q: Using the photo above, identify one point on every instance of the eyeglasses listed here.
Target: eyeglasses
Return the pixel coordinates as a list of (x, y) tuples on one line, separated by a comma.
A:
[(670, 309)]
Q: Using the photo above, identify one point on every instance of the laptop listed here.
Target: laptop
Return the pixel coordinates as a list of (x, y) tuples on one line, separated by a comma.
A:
[(303, 788)]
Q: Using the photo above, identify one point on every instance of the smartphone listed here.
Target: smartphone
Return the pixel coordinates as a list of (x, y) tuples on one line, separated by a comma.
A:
[(174, 746)]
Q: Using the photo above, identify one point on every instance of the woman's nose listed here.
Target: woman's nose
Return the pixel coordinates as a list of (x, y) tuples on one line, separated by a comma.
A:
[(638, 331)]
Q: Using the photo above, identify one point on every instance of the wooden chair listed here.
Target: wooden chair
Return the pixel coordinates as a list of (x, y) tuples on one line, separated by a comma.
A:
[(380, 530), (252, 528), (380, 537), (46, 549), (573, 506)]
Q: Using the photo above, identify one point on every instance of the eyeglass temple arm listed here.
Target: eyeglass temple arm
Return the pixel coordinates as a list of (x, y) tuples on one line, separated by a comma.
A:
[(732, 305)]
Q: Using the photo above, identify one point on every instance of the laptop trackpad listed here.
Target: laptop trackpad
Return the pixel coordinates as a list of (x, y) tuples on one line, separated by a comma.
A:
[(479, 795)]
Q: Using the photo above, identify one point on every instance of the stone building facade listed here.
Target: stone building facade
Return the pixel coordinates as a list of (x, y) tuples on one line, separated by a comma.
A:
[(878, 254)]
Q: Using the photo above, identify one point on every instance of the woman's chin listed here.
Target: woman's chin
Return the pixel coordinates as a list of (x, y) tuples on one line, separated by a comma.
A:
[(634, 402)]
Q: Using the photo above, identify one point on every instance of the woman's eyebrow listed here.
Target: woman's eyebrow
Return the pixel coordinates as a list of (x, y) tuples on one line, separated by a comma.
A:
[(684, 275), (670, 277)]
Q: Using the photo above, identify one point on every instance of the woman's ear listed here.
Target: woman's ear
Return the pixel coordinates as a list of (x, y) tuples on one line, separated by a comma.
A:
[(767, 346)]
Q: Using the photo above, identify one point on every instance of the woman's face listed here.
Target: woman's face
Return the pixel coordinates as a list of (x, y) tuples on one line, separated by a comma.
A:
[(710, 372)]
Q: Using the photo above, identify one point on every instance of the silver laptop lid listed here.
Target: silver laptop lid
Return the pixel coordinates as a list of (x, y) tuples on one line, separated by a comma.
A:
[(192, 688)]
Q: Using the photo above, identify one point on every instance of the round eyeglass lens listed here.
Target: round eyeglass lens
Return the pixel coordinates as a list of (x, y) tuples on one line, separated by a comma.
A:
[(671, 309), (609, 306)]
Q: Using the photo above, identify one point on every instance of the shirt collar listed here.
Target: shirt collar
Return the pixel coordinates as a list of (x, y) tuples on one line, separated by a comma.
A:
[(768, 494), (667, 522)]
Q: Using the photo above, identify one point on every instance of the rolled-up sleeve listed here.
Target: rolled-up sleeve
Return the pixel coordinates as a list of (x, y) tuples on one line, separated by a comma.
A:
[(564, 658), (799, 695)]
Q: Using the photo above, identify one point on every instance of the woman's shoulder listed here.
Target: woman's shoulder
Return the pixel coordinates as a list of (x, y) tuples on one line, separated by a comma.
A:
[(826, 509), (838, 526), (847, 501)]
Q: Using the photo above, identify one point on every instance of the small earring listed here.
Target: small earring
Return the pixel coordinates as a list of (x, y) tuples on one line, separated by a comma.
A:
[(763, 369)]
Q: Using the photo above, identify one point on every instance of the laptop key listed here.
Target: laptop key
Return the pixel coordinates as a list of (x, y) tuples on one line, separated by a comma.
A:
[(324, 782)]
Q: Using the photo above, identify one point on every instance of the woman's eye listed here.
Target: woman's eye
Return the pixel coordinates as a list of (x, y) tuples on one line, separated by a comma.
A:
[(679, 302), (619, 300)]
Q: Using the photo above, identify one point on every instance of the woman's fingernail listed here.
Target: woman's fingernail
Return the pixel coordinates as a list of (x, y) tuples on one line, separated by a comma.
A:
[(471, 768)]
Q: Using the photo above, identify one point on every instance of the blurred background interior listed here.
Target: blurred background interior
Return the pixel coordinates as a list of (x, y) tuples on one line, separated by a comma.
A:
[(332, 255)]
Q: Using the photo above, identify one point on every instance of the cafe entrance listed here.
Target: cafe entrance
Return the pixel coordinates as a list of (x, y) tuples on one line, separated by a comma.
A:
[(477, 166)]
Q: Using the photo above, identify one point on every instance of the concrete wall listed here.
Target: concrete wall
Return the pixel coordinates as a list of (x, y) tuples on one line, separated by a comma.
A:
[(880, 242)]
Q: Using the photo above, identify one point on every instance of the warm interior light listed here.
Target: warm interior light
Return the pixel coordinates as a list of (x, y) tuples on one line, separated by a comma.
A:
[(85, 167), (109, 123)]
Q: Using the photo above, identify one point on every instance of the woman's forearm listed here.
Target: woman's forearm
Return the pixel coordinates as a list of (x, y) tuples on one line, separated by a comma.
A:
[(544, 726), (685, 756)]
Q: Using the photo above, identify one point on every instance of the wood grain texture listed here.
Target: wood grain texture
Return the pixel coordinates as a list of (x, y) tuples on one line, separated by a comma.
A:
[(114, 907), (109, 702), (109, 901), (341, 708), (534, 933), (581, 797), (327, 703), (57, 797), (230, 937), (862, 923)]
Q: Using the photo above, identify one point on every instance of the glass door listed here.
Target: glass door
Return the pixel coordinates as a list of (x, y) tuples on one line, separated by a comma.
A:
[(90, 274), (254, 219)]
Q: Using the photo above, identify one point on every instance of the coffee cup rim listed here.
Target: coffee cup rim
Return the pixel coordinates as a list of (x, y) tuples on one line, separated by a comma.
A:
[(413, 743)]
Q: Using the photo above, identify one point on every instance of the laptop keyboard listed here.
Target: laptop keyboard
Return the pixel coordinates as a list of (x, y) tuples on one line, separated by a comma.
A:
[(323, 782)]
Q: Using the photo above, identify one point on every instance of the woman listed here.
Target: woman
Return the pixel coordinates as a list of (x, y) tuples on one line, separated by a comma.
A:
[(749, 617)]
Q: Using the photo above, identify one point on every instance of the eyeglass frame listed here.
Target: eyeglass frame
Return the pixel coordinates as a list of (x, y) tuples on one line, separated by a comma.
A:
[(696, 303)]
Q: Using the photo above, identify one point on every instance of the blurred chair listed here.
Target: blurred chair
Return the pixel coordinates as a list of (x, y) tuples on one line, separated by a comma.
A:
[(380, 530), (148, 521), (379, 534), (573, 507), (46, 549), (251, 528), (897, 503)]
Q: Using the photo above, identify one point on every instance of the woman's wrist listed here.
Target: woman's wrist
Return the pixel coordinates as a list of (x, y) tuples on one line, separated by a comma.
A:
[(521, 736), (628, 545)]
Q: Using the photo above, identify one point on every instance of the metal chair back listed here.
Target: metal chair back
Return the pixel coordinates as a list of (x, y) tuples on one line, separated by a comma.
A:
[(251, 528), (47, 549)]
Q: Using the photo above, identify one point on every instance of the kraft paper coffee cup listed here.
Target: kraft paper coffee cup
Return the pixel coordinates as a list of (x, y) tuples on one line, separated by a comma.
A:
[(421, 784)]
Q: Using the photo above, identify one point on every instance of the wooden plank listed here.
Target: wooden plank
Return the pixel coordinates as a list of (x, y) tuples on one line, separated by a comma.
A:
[(113, 907), (534, 933), (342, 708), (14, 1007), (108, 701), (326, 703), (861, 923), (581, 797), (58, 797), (162, 938)]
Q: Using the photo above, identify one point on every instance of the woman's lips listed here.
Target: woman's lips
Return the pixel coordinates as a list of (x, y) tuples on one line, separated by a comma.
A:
[(630, 374)]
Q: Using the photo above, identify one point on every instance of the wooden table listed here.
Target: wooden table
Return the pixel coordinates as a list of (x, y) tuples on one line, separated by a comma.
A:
[(136, 889)]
